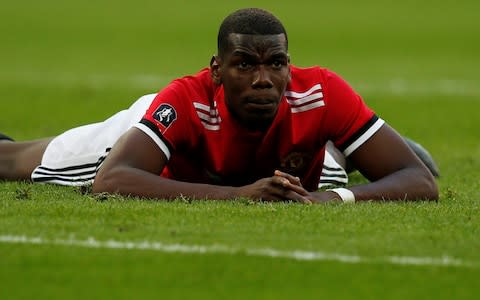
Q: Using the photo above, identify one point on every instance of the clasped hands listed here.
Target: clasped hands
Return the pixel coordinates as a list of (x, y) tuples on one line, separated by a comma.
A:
[(284, 187)]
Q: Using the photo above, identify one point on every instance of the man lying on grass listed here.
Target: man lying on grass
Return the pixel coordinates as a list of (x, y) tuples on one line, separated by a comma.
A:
[(251, 125)]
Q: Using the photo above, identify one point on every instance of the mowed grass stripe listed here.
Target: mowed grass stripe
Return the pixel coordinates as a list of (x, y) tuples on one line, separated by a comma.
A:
[(149, 82), (444, 261)]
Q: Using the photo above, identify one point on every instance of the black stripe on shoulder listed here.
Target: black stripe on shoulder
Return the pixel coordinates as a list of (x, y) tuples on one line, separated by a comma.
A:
[(154, 128), (359, 133)]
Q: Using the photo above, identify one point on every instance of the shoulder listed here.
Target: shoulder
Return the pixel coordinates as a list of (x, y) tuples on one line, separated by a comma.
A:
[(305, 90), (304, 77), (311, 78), (197, 83), (333, 87), (183, 91)]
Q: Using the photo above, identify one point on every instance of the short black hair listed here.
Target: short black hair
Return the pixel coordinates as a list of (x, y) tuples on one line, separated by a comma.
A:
[(249, 21)]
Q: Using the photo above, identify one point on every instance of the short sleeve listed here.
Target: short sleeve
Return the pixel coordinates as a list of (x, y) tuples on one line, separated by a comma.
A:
[(350, 120), (168, 119)]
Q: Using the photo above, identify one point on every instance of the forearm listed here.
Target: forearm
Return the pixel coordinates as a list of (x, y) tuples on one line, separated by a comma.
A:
[(135, 182), (406, 184)]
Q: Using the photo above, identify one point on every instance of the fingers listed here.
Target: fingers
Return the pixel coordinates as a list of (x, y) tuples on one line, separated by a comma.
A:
[(277, 188), (293, 179), (300, 199), (291, 182), (286, 195), (288, 191)]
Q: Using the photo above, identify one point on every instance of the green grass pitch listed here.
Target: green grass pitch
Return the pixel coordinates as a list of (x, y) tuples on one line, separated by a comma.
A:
[(416, 63)]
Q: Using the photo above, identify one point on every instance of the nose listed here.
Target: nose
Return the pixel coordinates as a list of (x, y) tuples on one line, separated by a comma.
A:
[(261, 78)]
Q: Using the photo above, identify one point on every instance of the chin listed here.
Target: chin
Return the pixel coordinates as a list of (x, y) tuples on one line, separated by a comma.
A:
[(259, 122)]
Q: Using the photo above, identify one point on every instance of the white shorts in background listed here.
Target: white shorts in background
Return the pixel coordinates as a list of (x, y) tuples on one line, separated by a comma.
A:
[(332, 173), (74, 157)]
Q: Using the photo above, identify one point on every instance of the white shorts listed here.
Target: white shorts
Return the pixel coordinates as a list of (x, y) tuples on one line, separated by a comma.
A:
[(333, 173), (74, 157)]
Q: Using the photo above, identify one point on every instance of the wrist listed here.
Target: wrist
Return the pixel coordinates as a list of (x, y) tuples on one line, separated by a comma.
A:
[(344, 194)]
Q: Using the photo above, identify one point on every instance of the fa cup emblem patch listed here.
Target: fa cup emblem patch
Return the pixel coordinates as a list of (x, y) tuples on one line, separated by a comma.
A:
[(165, 115)]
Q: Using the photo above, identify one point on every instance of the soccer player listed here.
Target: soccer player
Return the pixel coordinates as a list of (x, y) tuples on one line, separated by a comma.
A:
[(251, 125)]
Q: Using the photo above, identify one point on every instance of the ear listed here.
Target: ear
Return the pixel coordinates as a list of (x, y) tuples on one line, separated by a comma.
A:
[(289, 73), (215, 69)]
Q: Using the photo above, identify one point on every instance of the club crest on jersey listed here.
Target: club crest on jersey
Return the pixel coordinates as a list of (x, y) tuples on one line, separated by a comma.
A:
[(295, 163), (165, 115)]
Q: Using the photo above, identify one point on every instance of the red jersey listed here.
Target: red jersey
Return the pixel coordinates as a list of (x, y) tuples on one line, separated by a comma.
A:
[(190, 122)]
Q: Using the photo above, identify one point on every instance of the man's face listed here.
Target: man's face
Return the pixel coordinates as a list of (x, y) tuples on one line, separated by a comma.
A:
[(254, 71)]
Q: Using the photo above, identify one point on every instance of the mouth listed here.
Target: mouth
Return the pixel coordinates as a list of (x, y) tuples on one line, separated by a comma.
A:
[(259, 104)]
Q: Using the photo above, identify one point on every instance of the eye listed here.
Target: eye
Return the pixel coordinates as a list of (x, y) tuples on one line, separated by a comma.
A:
[(244, 65), (277, 64)]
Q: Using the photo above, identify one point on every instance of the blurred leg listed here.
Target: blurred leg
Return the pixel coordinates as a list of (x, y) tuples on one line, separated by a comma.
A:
[(336, 154), (419, 150), (5, 137), (19, 159), (424, 156)]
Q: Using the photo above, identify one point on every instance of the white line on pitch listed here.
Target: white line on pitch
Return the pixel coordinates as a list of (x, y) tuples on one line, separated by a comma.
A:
[(396, 86), (444, 261)]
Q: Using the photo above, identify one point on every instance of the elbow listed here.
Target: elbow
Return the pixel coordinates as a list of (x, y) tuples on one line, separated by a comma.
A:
[(434, 193), (429, 188), (104, 183)]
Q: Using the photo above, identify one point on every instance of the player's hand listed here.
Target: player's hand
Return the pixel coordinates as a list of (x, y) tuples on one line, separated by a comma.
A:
[(275, 189), (315, 197), (292, 179), (324, 197)]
